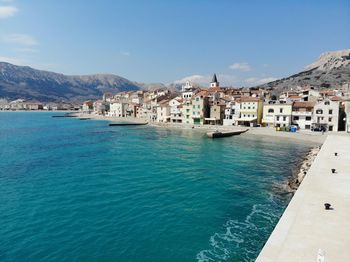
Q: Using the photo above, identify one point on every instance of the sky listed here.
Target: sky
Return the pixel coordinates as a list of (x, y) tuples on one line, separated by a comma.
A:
[(245, 42)]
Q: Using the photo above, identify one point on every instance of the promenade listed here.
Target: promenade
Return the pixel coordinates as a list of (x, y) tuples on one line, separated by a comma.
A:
[(306, 230)]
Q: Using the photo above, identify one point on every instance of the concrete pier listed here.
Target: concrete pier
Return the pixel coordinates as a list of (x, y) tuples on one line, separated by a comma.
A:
[(306, 230)]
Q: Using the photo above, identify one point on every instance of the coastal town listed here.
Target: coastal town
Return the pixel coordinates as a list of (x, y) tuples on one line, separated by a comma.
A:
[(301, 108), (298, 109)]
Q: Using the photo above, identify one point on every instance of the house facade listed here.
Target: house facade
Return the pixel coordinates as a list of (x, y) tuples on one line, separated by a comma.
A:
[(117, 109), (163, 112), (232, 113), (302, 114), (200, 107), (187, 112), (277, 114), (175, 105), (217, 112), (251, 111), (326, 115)]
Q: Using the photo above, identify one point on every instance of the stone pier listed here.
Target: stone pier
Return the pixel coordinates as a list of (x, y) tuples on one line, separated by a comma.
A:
[(306, 230)]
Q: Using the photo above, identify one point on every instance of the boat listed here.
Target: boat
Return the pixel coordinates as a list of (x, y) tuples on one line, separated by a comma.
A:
[(218, 134), (128, 124), (64, 116)]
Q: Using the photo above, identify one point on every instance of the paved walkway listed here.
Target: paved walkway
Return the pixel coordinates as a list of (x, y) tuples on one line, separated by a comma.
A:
[(306, 231)]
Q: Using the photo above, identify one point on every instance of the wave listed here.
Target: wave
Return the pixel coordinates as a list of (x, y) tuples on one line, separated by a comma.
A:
[(242, 240)]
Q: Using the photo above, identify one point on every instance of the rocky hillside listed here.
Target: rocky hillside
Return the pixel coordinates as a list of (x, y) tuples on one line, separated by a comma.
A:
[(331, 70), (37, 85)]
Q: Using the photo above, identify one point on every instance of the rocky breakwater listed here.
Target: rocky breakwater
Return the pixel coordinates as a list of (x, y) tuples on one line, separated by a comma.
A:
[(295, 180)]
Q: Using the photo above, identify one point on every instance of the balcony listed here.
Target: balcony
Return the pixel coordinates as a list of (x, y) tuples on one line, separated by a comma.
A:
[(301, 113)]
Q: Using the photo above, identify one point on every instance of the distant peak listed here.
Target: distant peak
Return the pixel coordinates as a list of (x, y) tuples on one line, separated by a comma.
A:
[(330, 60)]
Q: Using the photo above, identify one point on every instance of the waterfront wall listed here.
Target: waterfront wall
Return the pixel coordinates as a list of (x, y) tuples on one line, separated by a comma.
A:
[(306, 230)]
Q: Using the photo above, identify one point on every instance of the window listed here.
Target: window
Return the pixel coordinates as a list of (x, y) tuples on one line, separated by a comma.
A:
[(284, 118), (296, 117), (326, 103), (193, 106), (278, 118), (248, 107), (199, 106), (281, 110), (330, 128), (307, 126), (319, 111), (214, 109), (271, 110), (330, 111), (197, 98), (308, 118), (187, 110), (329, 119)]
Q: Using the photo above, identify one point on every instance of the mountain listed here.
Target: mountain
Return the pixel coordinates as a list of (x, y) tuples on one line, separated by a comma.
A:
[(37, 85), (331, 70)]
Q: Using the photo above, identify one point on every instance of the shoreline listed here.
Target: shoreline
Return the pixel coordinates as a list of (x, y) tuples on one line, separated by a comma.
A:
[(295, 179), (301, 234), (313, 138)]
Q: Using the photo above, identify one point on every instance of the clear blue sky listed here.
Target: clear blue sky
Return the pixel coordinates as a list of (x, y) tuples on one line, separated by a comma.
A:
[(244, 42)]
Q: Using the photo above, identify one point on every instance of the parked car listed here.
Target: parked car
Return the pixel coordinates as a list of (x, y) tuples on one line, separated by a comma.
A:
[(319, 129)]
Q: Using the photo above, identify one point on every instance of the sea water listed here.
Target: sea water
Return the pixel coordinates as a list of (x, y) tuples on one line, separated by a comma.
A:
[(75, 190)]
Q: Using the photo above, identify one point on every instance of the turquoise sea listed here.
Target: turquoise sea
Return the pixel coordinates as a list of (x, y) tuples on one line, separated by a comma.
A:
[(75, 190)]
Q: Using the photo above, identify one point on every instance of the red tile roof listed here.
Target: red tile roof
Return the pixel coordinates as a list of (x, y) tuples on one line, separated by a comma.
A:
[(250, 99), (303, 104)]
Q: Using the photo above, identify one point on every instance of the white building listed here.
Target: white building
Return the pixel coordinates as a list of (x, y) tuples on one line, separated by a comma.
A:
[(149, 110), (302, 113), (137, 97), (326, 115), (277, 114), (187, 91), (232, 113), (100, 107), (175, 110), (117, 109), (309, 94), (163, 111)]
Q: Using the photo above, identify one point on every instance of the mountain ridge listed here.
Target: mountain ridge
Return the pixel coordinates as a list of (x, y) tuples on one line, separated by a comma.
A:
[(330, 70), (33, 84)]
